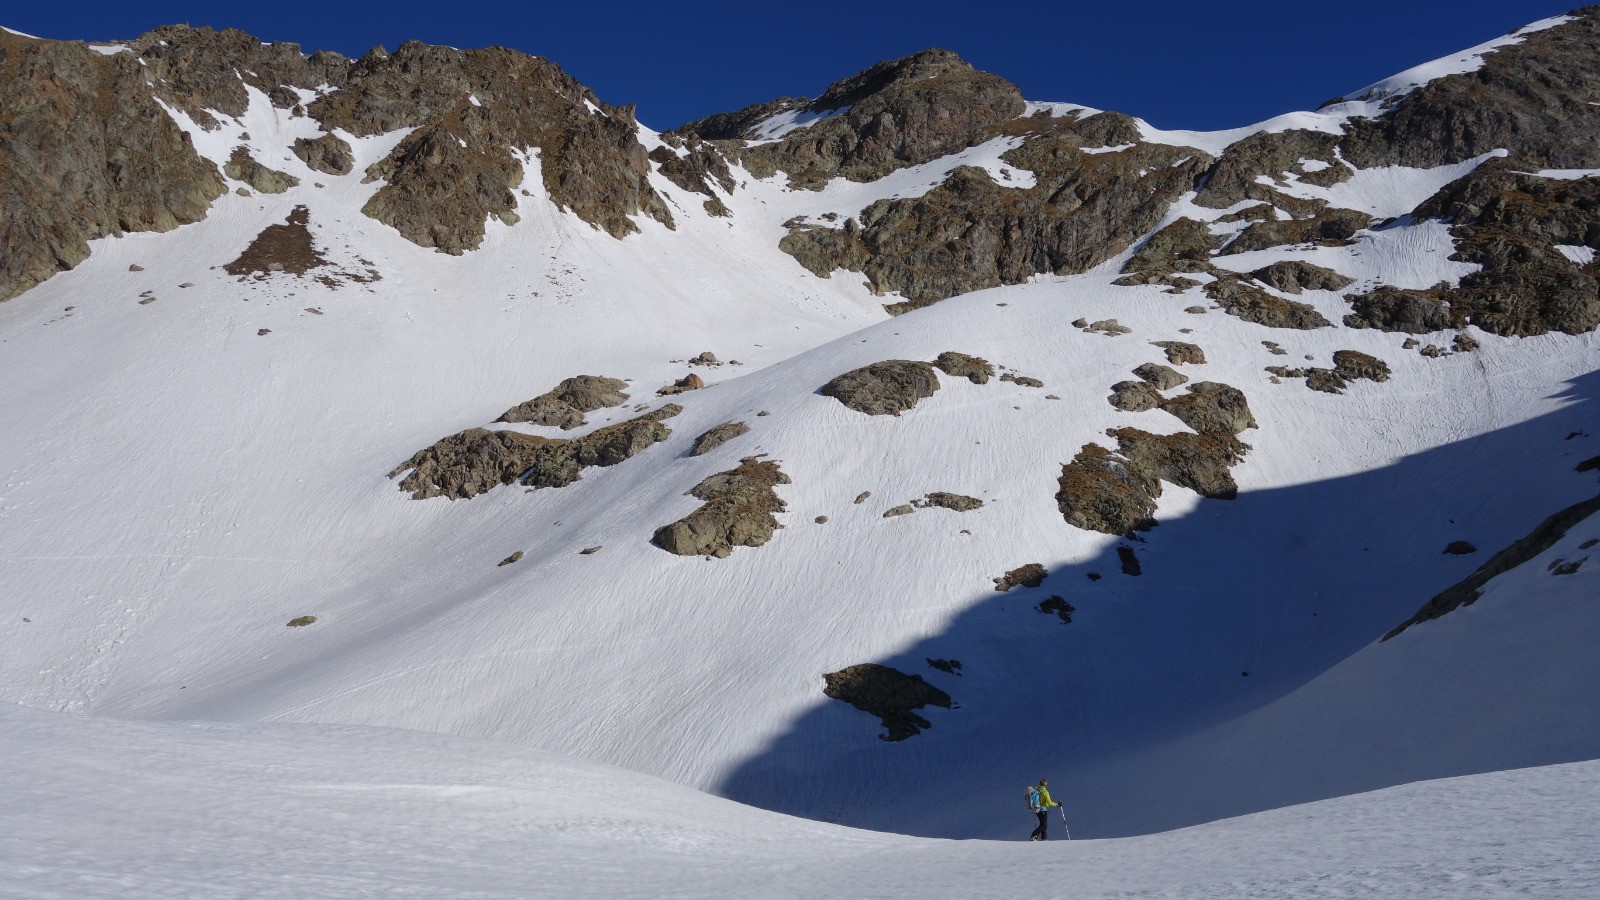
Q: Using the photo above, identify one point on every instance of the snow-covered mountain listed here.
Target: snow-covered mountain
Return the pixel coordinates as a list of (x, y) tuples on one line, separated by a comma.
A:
[(933, 439)]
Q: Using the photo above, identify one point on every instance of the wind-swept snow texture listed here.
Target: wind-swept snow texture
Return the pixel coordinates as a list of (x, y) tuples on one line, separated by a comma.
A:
[(104, 808), (192, 460)]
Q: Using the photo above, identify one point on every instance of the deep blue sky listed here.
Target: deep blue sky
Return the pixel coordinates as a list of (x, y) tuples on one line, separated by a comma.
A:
[(1179, 64)]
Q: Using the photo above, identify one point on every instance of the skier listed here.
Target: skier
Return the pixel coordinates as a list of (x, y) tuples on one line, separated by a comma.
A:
[(1039, 804)]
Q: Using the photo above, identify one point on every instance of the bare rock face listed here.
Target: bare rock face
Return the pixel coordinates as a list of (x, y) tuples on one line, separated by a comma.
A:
[(564, 405), (972, 232), (1180, 353), (897, 113), (717, 436), (1252, 304), (1183, 246), (1134, 396), (887, 693), (947, 500), (738, 512), (199, 69), (85, 152), (1273, 155), (885, 388), (1058, 606), (1293, 276), (1160, 377), (695, 165), (689, 382), (1327, 228), (327, 153), (458, 167), (1510, 223), (1029, 576), (959, 365), (1348, 366), (1533, 98), (477, 460), (1395, 309), (1115, 491), (241, 166)]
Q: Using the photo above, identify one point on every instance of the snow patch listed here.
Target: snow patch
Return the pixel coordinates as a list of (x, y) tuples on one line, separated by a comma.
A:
[(775, 127), (1382, 191), (1577, 253)]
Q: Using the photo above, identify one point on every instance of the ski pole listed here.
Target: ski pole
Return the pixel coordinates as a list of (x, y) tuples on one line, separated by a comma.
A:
[(1063, 811)]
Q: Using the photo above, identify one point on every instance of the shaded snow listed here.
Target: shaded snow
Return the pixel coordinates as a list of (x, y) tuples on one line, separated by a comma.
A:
[(776, 126)]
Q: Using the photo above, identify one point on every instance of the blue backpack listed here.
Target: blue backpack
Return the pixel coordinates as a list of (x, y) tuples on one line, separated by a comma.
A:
[(1033, 798)]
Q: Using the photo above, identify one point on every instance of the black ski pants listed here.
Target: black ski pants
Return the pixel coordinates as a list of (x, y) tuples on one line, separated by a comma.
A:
[(1043, 831)]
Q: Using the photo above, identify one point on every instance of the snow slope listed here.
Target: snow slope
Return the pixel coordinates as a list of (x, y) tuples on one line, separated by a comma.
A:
[(104, 808), (177, 486)]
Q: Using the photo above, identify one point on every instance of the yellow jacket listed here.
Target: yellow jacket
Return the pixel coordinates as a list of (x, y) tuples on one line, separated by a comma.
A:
[(1044, 798)]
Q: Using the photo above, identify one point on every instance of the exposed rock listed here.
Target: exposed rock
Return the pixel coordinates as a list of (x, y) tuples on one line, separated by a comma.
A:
[(477, 460), (241, 166), (1562, 567), (821, 520), (1510, 223), (1183, 246), (1211, 407), (1432, 351), (861, 497), (887, 693), (1293, 276), (948, 666), (972, 232), (510, 559), (1348, 366), (1029, 576), (883, 388), (1130, 562), (1134, 396), (1108, 327), (590, 551), (1395, 309), (1327, 228), (135, 268), (1541, 538), (689, 382), (280, 248), (1248, 168), (946, 500), (260, 332), (1180, 353), (564, 405), (1463, 344), (85, 152), (695, 165), (1160, 377), (904, 509), (717, 436), (1530, 97), (326, 153), (706, 358), (1459, 548), (1022, 380), (738, 512), (1195, 310), (897, 113), (301, 621), (1060, 607), (959, 365), (1253, 304)]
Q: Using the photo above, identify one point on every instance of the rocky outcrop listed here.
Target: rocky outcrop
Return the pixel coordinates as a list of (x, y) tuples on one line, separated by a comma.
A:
[(474, 112), (564, 405), (1293, 276), (1510, 224), (717, 436), (738, 512), (972, 232), (897, 113), (1115, 491), (1134, 396), (1183, 246), (1059, 607), (1326, 228), (1467, 591), (1533, 98), (1395, 309), (947, 500), (1348, 366), (885, 388), (689, 382), (1029, 576), (959, 365), (1180, 353), (241, 166), (1252, 304), (891, 695), (326, 153), (1272, 155), (695, 165), (1160, 377), (280, 249), (85, 152), (477, 460)]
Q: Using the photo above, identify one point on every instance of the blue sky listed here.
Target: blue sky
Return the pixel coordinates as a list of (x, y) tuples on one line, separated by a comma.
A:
[(1178, 64)]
